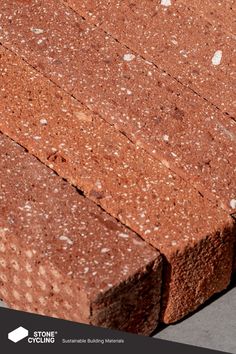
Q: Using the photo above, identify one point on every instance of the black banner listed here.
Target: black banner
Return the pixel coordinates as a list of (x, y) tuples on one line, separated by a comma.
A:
[(28, 333)]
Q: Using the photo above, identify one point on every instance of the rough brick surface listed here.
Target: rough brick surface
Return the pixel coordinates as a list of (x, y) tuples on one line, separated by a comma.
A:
[(62, 256), (128, 183), (171, 122), (174, 37)]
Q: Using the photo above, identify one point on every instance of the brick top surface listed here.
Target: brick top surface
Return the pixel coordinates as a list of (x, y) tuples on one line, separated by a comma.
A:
[(178, 127)]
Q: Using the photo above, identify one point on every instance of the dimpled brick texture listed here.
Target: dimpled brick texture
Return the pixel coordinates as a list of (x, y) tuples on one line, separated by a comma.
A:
[(62, 256), (174, 37), (127, 182), (179, 128)]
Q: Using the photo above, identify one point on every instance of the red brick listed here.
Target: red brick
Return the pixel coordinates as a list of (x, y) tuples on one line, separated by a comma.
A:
[(174, 37), (221, 13), (194, 236), (62, 256), (153, 110)]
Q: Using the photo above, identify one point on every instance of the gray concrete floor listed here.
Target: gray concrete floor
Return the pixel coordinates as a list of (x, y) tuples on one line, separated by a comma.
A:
[(213, 326)]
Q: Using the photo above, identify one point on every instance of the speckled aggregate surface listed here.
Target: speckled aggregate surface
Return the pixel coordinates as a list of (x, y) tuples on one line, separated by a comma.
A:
[(187, 41), (136, 139), (221, 13), (130, 185), (61, 255), (178, 127), (172, 37)]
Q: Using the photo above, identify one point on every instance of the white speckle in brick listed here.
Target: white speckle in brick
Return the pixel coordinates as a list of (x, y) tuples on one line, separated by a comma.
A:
[(27, 206), (165, 137), (174, 42), (37, 30), (3, 229), (128, 57), (216, 59), (233, 203), (43, 121), (138, 243), (166, 2), (86, 269), (67, 239), (183, 53), (105, 250), (121, 234), (98, 184)]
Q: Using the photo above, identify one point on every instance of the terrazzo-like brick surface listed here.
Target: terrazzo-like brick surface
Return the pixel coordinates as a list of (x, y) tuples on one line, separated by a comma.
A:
[(155, 111), (128, 183), (174, 37), (94, 10), (218, 12), (62, 256)]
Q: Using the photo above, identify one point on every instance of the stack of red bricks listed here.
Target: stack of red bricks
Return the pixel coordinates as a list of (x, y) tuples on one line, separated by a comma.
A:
[(118, 158)]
